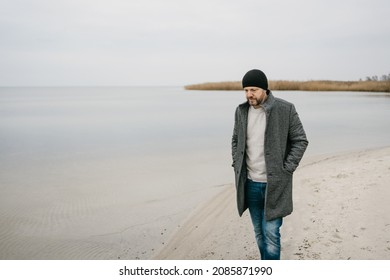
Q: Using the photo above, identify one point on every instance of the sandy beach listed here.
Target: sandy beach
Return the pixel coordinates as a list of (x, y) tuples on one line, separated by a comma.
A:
[(341, 212)]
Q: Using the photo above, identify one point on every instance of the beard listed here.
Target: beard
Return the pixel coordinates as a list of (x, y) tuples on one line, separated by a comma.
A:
[(255, 101)]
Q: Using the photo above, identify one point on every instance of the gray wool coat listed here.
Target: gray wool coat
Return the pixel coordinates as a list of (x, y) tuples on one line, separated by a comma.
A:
[(285, 144)]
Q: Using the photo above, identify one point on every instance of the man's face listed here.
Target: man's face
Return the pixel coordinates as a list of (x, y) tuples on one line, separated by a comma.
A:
[(255, 96)]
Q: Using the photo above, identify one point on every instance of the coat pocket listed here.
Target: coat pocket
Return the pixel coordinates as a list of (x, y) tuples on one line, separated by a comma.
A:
[(287, 171)]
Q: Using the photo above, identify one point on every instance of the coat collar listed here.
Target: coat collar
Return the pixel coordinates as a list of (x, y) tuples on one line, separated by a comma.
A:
[(267, 105)]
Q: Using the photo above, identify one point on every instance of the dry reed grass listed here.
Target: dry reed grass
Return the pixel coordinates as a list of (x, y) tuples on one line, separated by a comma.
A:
[(369, 86)]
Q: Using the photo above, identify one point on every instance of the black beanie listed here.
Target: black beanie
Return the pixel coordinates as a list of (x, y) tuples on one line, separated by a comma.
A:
[(255, 78)]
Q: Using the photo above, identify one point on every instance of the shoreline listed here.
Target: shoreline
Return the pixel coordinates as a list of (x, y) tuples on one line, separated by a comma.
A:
[(336, 215), (313, 85)]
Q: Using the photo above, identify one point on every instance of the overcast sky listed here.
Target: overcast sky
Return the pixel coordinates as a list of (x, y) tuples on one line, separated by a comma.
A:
[(179, 42)]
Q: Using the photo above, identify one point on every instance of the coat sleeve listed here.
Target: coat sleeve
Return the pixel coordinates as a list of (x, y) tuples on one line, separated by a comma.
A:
[(297, 141), (234, 138)]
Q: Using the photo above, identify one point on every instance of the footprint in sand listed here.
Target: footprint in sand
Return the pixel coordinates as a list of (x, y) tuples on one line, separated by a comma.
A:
[(342, 176)]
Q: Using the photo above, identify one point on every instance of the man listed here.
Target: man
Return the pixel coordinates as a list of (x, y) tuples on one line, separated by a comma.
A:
[(267, 145)]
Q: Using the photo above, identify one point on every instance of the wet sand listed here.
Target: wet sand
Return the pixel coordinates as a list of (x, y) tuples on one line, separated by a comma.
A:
[(103, 208)]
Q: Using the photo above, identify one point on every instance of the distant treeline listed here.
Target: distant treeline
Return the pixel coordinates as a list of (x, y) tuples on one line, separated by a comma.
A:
[(368, 85)]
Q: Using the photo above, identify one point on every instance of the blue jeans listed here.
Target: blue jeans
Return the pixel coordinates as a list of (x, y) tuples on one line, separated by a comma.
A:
[(267, 232)]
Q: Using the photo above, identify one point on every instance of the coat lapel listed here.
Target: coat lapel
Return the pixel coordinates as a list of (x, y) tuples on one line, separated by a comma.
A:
[(244, 120)]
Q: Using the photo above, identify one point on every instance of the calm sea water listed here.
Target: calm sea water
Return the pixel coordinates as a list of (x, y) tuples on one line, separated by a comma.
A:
[(71, 156), (48, 123), (159, 132)]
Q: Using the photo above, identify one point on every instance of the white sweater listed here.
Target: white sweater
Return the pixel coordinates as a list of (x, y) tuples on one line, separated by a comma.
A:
[(255, 160)]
